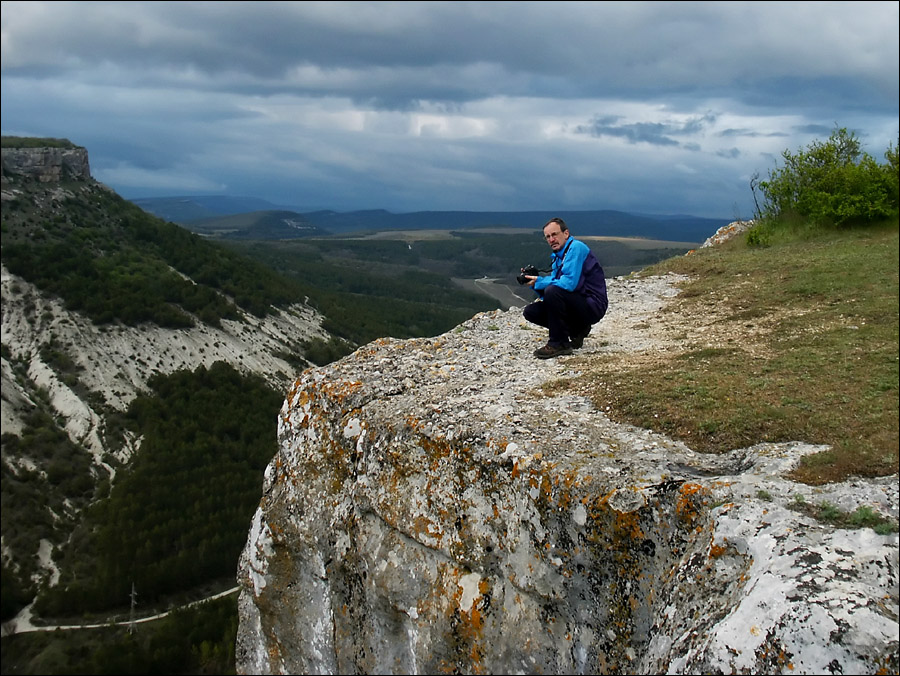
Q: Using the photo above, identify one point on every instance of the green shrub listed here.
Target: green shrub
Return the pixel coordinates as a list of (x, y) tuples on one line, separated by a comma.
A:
[(29, 142), (830, 184)]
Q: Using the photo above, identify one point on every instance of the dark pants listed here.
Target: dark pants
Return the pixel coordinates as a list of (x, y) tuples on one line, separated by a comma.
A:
[(565, 313)]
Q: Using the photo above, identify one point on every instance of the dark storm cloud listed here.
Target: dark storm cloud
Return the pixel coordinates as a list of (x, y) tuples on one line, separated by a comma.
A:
[(433, 105), (655, 133)]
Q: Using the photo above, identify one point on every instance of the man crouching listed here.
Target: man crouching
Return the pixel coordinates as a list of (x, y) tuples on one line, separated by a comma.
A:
[(572, 298)]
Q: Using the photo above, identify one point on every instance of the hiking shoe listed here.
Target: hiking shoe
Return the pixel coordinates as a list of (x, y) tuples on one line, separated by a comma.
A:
[(549, 351), (578, 338)]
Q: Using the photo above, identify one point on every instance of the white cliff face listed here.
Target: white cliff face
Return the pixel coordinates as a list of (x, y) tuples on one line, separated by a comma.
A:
[(431, 510), (116, 362)]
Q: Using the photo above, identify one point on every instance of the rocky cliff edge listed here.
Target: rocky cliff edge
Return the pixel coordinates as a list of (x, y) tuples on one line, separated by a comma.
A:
[(432, 511), (45, 164)]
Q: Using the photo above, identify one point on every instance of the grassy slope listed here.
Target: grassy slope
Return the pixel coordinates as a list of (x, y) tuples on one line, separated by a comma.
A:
[(803, 346)]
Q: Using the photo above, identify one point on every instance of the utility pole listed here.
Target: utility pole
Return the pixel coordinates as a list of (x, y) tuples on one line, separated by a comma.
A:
[(133, 604)]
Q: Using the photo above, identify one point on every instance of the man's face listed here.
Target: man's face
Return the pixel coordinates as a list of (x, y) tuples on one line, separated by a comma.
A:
[(555, 236)]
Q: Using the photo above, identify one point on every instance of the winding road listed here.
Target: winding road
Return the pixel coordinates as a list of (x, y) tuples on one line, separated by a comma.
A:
[(503, 293), (21, 623)]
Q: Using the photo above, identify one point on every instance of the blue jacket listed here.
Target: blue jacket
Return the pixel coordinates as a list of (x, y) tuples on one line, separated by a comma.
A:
[(575, 268)]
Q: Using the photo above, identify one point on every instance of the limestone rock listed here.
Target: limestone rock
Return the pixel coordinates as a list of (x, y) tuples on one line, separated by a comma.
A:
[(431, 511), (46, 164)]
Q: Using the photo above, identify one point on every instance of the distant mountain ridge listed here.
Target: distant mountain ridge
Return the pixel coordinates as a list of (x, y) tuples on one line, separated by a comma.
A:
[(258, 225), (183, 209), (209, 214)]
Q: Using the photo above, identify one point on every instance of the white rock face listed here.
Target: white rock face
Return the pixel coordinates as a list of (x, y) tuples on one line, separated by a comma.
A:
[(430, 511), (117, 361), (46, 165)]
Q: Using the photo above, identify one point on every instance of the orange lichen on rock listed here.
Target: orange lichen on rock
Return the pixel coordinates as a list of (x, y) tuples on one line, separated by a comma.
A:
[(628, 527), (716, 551), (691, 498)]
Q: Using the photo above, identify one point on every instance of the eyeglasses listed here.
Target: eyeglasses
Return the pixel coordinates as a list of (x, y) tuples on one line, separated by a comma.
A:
[(551, 235)]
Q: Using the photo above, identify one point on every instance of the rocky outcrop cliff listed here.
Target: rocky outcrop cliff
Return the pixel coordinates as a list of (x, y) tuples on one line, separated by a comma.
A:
[(432, 510), (47, 165)]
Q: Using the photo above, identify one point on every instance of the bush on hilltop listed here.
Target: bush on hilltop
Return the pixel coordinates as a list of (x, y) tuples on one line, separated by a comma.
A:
[(830, 184)]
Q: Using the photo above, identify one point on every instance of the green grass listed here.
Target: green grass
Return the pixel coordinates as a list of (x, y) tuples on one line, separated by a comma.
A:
[(813, 357), (862, 517), (28, 142)]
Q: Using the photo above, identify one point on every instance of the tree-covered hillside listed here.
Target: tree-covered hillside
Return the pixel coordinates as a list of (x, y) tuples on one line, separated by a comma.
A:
[(108, 259), (178, 517), (65, 434)]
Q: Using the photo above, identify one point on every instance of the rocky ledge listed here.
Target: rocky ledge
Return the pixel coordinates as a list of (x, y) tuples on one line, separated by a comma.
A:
[(46, 165), (432, 511)]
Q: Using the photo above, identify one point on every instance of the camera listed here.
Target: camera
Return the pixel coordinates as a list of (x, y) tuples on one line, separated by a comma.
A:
[(530, 271)]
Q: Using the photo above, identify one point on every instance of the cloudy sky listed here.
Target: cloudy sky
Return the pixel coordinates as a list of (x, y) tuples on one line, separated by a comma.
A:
[(657, 107)]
